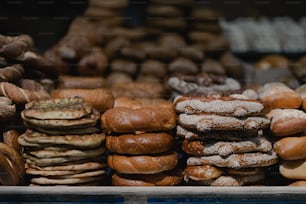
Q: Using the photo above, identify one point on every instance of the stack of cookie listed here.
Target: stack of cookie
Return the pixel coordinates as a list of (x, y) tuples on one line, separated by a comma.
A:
[(62, 145), (168, 15), (110, 11), (142, 149), (223, 140)]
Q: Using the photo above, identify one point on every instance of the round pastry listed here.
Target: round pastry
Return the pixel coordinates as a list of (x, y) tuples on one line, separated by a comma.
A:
[(80, 82), (118, 78), (7, 109), (212, 67), (153, 67), (100, 99), (125, 66), (138, 90), (11, 139), (162, 179), (293, 169), (272, 61), (287, 121), (298, 183), (278, 95), (291, 148), (202, 172), (145, 143), (124, 120), (93, 64), (143, 164)]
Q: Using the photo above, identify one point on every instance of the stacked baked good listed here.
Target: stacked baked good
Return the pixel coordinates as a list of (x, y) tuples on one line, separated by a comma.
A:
[(62, 145), (141, 146), (108, 10), (168, 15), (288, 127), (202, 84), (224, 140), (24, 76)]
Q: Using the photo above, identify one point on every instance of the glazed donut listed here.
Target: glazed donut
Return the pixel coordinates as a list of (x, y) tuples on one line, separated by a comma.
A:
[(146, 143), (100, 99), (124, 120), (162, 179), (143, 164)]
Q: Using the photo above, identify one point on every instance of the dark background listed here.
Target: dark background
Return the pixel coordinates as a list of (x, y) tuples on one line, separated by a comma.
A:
[(48, 20)]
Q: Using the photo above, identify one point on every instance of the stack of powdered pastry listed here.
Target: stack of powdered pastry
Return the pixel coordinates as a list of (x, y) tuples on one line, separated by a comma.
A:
[(142, 149), (62, 145), (202, 84), (223, 136), (288, 126)]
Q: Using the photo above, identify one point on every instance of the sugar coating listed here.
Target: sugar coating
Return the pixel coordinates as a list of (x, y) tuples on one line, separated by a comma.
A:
[(215, 122), (244, 160), (236, 108), (248, 145)]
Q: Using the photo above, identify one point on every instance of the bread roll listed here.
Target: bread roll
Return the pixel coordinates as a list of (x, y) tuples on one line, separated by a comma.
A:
[(293, 169), (201, 172), (278, 95), (143, 164), (124, 120), (161, 179), (291, 148), (287, 121), (100, 99), (146, 143), (272, 61), (80, 82)]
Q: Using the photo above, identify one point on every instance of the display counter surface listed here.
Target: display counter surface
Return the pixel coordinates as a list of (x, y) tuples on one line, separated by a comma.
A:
[(261, 194)]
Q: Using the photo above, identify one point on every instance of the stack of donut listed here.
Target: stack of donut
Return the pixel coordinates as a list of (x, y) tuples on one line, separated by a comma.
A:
[(62, 145), (141, 146), (288, 126), (223, 138), (168, 15)]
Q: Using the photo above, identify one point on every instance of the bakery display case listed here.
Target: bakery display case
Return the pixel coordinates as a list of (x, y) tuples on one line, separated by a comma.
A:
[(125, 101)]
